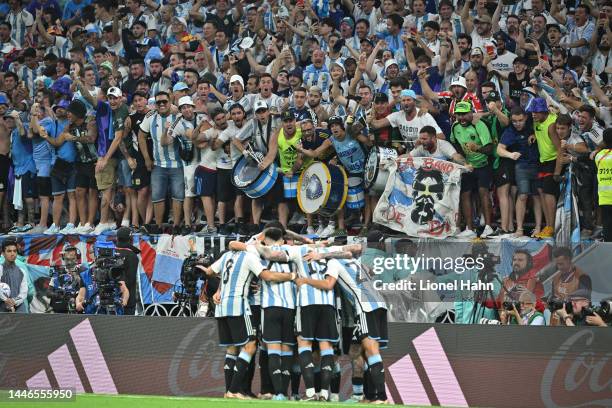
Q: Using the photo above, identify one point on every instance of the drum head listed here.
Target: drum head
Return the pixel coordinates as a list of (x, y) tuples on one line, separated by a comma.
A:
[(245, 172), (313, 187), (371, 168)]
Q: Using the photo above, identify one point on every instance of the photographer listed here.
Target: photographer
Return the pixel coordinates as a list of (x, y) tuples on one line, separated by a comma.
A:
[(567, 279), (130, 253), (94, 296), (65, 281), (582, 313), (526, 315)]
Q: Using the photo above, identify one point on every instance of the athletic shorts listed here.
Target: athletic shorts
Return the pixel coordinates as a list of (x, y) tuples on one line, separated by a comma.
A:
[(504, 173), (5, 166), (28, 185), (43, 184), (256, 318), (317, 322), (348, 338), (278, 324), (478, 178), (141, 178), (205, 181), (235, 330), (546, 172), (108, 176), (85, 175), (372, 325), (225, 192), (189, 175)]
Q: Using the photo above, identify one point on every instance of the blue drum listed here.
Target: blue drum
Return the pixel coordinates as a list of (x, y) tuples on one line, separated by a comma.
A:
[(322, 188), (255, 183)]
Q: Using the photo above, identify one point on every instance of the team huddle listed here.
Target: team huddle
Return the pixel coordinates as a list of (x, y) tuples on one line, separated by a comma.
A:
[(287, 294)]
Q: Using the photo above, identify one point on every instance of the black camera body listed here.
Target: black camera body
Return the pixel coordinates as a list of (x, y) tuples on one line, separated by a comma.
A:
[(62, 296), (190, 273), (557, 304), (509, 306), (108, 270), (603, 310)]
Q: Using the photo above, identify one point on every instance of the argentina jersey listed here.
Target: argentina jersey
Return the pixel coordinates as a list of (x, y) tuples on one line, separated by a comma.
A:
[(236, 270), (319, 270), (166, 156), (278, 294)]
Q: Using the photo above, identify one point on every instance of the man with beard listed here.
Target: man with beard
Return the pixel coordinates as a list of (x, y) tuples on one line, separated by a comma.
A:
[(235, 126), (314, 103), (458, 92), (295, 78), (483, 33), (504, 60), (266, 86), (158, 81), (238, 95), (520, 280), (164, 160), (602, 59), (475, 142), (580, 28), (462, 49), (428, 145), (553, 37), (516, 144), (317, 73)]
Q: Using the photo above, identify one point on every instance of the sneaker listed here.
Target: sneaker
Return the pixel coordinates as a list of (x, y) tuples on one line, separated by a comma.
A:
[(306, 398), (225, 229), (310, 231), (597, 232), (467, 233), (297, 218), (69, 229), (354, 399), (339, 233), (186, 230), (547, 232), (211, 230), (295, 397), (20, 229), (102, 227), (488, 231), (39, 229), (279, 397), (320, 231), (85, 229), (125, 223), (334, 398), (52, 230), (327, 231), (243, 229), (267, 396)]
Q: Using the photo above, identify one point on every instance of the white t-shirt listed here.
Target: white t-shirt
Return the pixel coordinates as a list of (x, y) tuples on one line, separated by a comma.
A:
[(410, 129), (444, 151), (208, 156), (503, 63), (228, 134)]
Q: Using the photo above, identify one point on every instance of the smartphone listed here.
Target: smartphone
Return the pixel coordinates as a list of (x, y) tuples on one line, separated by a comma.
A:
[(413, 31)]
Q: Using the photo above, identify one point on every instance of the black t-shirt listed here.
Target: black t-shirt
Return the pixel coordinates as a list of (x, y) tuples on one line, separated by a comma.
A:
[(131, 270), (516, 85), (132, 140)]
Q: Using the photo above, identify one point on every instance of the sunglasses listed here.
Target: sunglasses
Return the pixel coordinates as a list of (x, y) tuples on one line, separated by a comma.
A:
[(162, 102)]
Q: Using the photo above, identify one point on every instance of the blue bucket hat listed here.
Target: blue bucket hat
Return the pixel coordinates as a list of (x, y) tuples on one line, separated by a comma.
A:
[(62, 85), (537, 105)]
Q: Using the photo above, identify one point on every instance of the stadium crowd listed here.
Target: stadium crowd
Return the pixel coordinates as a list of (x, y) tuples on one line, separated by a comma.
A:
[(134, 113)]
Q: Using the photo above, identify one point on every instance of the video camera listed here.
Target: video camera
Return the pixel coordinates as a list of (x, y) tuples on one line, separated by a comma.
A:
[(190, 273), (63, 293), (108, 269)]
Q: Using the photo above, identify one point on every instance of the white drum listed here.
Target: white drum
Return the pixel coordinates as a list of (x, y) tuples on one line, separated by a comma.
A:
[(377, 168)]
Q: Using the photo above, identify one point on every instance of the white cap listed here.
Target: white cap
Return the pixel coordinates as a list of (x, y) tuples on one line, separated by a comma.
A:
[(237, 78), (114, 91), (180, 20), (339, 64), (459, 81), (390, 62), (260, 105), (185, 100)]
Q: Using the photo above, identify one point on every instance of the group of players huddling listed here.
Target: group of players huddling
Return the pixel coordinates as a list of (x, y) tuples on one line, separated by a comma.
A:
[(286, 294)]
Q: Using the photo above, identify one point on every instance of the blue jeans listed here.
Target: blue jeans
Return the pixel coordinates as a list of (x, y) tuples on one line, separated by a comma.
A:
[(163, 178)]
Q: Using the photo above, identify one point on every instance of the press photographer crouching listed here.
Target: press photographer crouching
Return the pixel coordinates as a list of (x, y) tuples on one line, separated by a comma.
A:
[(579, 311), (197, 288), (522, 312), (129, 252), (102, 289)]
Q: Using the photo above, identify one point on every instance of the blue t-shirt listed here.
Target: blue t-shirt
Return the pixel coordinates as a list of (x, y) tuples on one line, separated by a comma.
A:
[(71, 8), (22, 154), (67, 151), (517, 141), (434, 81)]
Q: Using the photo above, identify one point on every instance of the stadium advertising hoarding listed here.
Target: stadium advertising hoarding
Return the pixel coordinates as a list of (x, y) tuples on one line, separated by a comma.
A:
[(451, 365)]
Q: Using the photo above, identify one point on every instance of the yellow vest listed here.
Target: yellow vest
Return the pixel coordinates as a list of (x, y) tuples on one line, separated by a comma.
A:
[(603, 161), (286, 149), (546, 147)]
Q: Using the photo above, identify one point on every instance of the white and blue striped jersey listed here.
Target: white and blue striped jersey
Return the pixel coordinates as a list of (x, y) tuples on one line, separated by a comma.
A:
[(61, 47), (236, 270), (319, 270), (317, 77), (28, 75), (357, 285), (278, 294), (20, 22), (163, 156)]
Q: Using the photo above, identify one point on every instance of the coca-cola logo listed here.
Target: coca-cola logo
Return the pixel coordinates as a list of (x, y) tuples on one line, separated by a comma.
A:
[(193, 369), (587, 370)]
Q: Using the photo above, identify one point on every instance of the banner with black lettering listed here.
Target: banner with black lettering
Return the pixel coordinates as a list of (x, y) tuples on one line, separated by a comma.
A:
[(421, 198)]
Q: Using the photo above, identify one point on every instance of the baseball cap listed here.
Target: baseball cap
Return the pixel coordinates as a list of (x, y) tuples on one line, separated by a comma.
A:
[(185, 100), (492, 96), (124, 234), (107, 66), (259, 105), (580, 294), (476, 51), (381, 97), (114, 91), (390, 62), (482, 19), (77, 108), (335, 120), (3, 100), (297, 72), (339, 64), (459, 81), (237, 78), (537, 105), (408, 93), (349, 21), (463, 107), (288, 115), (61, 104), (179, 86), (180, 20)]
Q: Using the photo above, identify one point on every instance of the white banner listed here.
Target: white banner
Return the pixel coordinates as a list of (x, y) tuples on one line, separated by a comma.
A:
[(421, 198)]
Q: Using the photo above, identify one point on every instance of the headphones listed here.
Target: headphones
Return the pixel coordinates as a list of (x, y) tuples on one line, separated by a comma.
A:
[(70, 247)]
